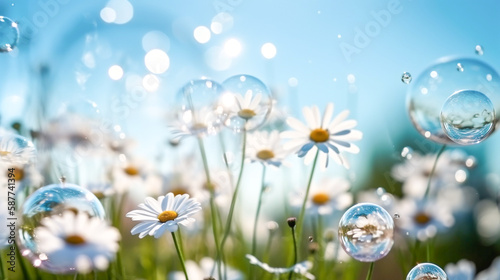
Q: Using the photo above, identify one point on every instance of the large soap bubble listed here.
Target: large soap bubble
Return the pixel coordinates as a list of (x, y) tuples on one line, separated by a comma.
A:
[(434, 85), (47, 201), (425, 271)]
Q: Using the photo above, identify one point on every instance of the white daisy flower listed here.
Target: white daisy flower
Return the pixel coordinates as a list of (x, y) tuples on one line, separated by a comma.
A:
[(462, 270), (247, 107), (16, 150), (331, 137), (203, 269), (325, 197), (491, 273), (77, 241), (423, 219), (266, 148), (100, 189), (301, 268), (368, 229), (163, 214), (415, 172)]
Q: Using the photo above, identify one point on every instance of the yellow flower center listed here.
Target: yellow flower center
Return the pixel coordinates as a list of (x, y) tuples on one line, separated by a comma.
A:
[(265, 154), (320, 198), (99, 194), (246, 114), (18, 173), (370, 229), (75, 240), (131, 170), (4, 153), (199, 126), (166, 216), (422, 218), (179, 191), (210, 187), (319, 135)]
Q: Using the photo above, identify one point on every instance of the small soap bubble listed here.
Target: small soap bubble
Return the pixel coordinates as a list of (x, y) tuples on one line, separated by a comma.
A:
[(366, 232), (460, 68), (479, 50), (426, 271), (311, 239), (396, 216), (406, 78), (468, 117), (9, 34)]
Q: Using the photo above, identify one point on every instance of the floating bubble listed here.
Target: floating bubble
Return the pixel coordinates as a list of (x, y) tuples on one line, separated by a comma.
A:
[(396, 216), (406, 78), (380, 191), (247, 102), (468, 117), (9, 34), (198, 111), (426, 271), (47, 201), (479, 50), (366, 232), (430, 90), (460, 68)]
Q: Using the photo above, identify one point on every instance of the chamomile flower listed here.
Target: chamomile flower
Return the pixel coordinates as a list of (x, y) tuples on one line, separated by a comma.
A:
[(462, 270), (415, 172), (203, 269), (16, 150), (331, 137), (301, 268), (327, 196), (423, 219), (205, 121), (163, 214), (266, 148), (368, 228), (77, 240)]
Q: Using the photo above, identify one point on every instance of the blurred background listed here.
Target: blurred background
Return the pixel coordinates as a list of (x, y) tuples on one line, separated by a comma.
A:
[(130, 58)]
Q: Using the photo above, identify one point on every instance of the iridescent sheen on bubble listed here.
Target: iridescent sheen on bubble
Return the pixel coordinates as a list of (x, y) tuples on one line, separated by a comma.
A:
[(47, 201), (430, 89), (366, 232), (9, 34), (468, 117), (247, 102), (197, 109), (426, 271)]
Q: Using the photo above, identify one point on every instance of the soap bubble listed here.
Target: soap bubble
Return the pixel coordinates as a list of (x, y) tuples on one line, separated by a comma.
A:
[(47, 201), (9, 34), (366, 232), (247, 102), (434, 85), (468, 117), (479, 50), (426, 271), (406, 78), (198, 112), (16, 150)]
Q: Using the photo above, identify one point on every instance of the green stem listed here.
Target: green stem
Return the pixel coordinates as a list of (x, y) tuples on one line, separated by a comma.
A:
[(321, 249), (303, 209), (428, 249), (3, 270), (370, 271), (235, 194), (259, 204), (415, 253), (295, 256), (213, 208), (181, 256), (438, 155)]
